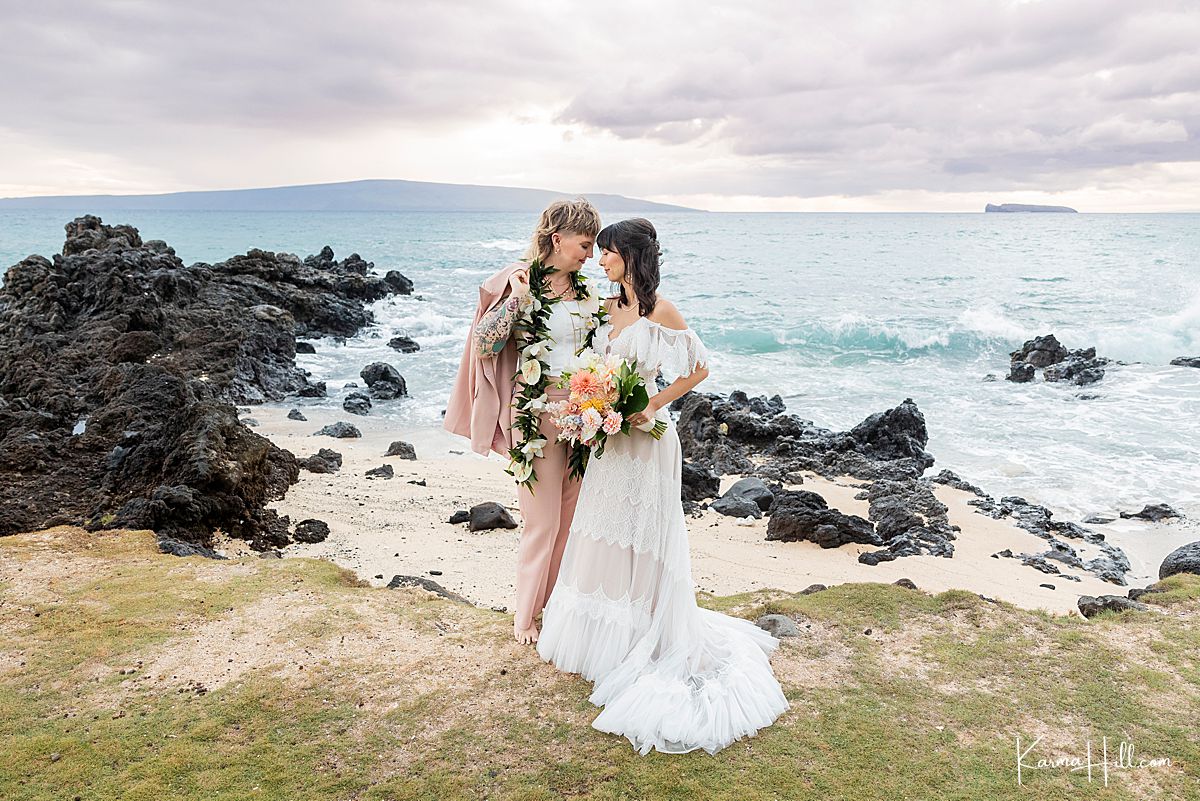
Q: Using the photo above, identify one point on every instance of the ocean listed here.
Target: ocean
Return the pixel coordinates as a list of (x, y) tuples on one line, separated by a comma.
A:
[(842, 315)]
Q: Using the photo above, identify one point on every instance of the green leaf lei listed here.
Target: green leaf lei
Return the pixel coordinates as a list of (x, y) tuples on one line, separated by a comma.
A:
[(531, 329)]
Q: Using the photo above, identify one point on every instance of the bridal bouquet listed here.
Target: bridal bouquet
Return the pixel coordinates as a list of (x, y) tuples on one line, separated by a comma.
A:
[(604, 393)]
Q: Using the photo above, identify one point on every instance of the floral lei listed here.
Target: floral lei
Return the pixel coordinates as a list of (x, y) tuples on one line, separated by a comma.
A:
[(532, 333)]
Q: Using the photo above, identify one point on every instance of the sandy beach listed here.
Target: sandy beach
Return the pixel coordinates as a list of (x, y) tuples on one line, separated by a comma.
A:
[(380, 528)]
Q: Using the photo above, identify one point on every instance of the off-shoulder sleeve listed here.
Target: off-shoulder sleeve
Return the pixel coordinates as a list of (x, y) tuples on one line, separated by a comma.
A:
[(678, 352)]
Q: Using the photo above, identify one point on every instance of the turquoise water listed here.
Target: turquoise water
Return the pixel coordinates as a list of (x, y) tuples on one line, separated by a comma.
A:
[(841, 314)]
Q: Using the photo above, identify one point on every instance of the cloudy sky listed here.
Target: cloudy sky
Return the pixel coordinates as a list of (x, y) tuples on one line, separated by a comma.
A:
[(722, 105)]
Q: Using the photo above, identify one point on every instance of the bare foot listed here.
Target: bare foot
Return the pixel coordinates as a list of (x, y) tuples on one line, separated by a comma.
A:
[(525, 636)]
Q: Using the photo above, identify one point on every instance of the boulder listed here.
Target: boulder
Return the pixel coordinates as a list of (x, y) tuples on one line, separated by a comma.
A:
[(778, 626), (401, 449), (736, 506), (802, 515), (380, 371), (404, 344), (383, 471), (1186, 361), (1184, 559), (485, 516), (1040, 351), (324, 461), (698, 483), (340, 429), (752, 489), (426, 584), (357, 403), (1153, 512), (311, 531), (317, 390), (296, 414), (1090, 606)]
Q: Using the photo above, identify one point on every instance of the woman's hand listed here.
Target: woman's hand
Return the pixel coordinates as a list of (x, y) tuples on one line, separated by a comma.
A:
[(641, 418), (519, 283)]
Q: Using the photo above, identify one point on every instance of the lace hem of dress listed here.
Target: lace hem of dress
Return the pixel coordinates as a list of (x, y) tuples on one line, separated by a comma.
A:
[(598, 605)]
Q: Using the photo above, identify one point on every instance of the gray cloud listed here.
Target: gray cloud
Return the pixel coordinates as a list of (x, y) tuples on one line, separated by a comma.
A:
[(769, 98), (930, 96)]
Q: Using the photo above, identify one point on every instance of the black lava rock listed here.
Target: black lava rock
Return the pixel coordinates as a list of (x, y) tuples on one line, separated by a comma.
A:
[(1090, 605), (380, 371), (296, 414), (1184, 559), (357, 403), (317, 390), (803, 515), (1186, 361), (736, 506), (699, 483), (305, 347), (752, 489), (311, 531), (1041, 351), (404, 344), (383, 471), (1057, 363), (426, 584), (174, 547), (461, 516), (1153, 512), (325, 461), (401, 449), (340, 430), (490, 515)]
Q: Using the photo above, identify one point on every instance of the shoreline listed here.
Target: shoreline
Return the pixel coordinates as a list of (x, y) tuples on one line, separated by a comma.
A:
[(380, 528)]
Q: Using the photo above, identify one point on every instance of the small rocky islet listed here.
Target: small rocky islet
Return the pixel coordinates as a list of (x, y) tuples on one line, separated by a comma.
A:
[(122, 369)]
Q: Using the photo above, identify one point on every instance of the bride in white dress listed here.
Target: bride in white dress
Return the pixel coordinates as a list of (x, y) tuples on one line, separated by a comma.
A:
[(670, 675)]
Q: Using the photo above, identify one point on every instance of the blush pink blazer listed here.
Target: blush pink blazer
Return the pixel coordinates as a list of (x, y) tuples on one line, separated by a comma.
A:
[(478, 408)]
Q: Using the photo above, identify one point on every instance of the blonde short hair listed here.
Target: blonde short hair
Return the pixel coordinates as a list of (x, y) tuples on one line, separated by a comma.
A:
[(576, 216)]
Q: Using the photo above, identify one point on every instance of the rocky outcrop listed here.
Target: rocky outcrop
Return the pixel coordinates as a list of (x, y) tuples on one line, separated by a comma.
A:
[(1111, 565), (120, 368), (734, 435), (802, 515), (1186, 361), (1153, 512), (909, 519), (1079, 367), (757, 437)]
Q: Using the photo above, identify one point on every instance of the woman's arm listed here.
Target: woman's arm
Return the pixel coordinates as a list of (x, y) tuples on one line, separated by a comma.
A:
[(495, 327), (666, 315)]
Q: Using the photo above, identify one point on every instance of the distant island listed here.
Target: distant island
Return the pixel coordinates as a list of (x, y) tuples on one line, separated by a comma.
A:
[(369, 195), (1005, 207)]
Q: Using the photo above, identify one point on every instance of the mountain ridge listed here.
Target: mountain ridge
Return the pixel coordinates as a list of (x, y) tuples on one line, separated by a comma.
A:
[(375, 194)]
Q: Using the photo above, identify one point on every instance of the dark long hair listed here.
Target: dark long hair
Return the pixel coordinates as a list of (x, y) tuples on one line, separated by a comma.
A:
[(637, 242)]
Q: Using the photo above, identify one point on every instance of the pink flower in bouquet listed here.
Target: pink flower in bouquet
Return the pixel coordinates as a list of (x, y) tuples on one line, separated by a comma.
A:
[(612, 423), (585, 384), (591, 423)]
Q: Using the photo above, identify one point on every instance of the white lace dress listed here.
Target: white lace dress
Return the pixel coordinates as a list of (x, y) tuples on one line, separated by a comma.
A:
[(670, 675)]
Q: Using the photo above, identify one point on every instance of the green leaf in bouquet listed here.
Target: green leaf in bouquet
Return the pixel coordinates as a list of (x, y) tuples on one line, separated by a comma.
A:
[(637, 401)]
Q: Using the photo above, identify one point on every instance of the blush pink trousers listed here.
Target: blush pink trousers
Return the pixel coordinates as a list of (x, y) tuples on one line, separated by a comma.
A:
[(547, 513)]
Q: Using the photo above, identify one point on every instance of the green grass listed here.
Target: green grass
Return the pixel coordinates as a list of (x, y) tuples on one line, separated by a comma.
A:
[(927, 706)]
